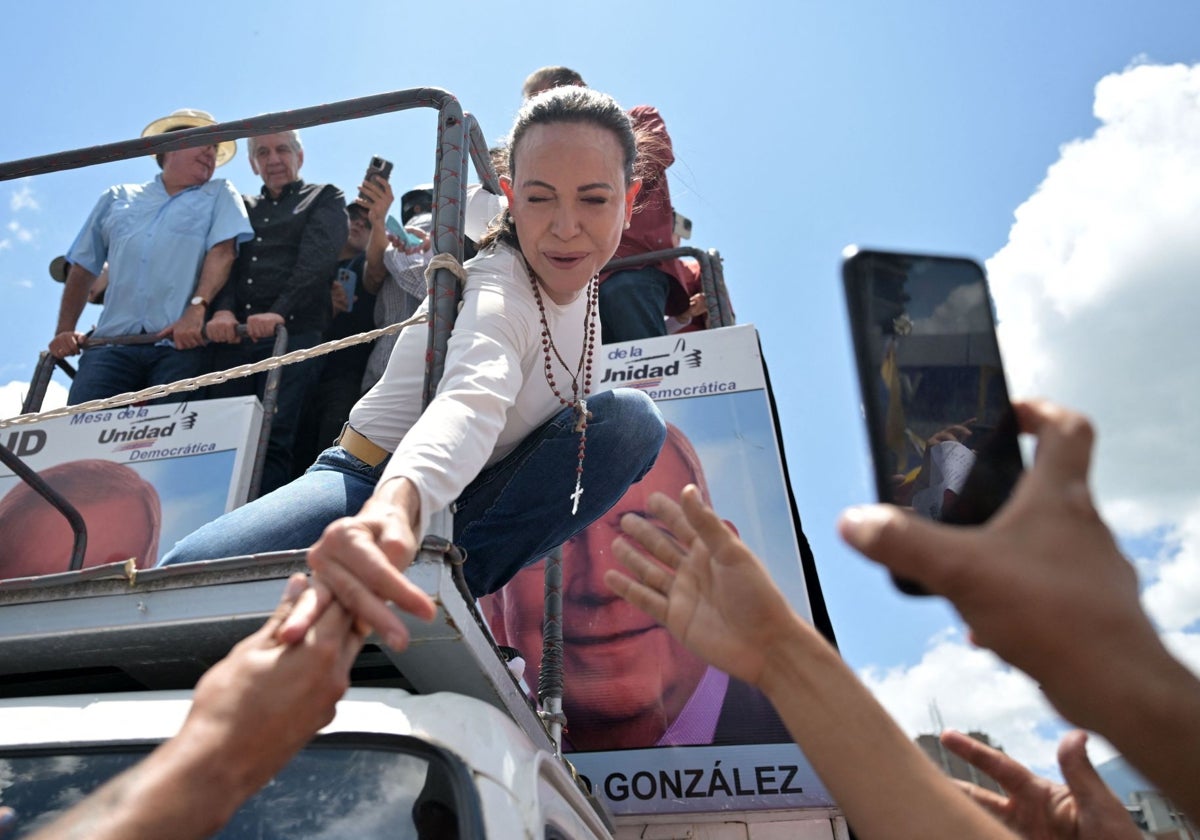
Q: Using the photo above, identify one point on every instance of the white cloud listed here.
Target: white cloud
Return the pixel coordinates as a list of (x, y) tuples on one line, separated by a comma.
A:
[(22, 233), (973, 689), (22, 199), (1096, 293), (1172, 595), (13, 394), (1185, 646), (5, 244)]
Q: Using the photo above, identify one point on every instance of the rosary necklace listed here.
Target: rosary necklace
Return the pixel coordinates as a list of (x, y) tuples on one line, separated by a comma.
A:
[(583, 371)]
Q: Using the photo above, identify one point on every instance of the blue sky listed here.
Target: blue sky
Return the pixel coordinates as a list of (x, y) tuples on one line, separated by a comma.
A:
[(798, 128)]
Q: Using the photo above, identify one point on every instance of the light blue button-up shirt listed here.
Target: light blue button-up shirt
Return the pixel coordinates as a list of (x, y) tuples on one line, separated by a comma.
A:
[(155, 245)]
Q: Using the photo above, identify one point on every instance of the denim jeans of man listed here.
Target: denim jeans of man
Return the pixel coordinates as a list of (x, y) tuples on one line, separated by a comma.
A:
[(118, 368), (334, 394), (514, 511), (295, 387), (633, 304)]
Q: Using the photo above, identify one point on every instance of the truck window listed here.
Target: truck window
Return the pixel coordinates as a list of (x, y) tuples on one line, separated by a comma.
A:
[(328, 791)]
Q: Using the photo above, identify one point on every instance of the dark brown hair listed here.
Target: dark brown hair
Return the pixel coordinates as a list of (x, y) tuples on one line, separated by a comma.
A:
[(545, 78), (567, 105)]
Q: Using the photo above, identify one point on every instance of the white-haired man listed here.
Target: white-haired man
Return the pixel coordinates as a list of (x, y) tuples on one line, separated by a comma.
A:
[(283, 276)]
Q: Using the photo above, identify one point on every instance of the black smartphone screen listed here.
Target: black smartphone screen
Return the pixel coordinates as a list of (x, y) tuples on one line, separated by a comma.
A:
[(942, 430)]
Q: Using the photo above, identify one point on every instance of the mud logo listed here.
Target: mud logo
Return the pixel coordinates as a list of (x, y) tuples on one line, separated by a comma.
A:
[(26, 443), (643, 371)]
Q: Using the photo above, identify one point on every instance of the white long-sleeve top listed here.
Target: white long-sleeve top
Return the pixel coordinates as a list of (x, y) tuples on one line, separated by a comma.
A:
[(493, 392)]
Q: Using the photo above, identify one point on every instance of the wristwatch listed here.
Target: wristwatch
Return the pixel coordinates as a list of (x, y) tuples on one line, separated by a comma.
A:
[(198, 300)]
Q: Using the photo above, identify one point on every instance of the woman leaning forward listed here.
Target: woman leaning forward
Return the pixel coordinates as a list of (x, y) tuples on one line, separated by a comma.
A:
[(513, 441)]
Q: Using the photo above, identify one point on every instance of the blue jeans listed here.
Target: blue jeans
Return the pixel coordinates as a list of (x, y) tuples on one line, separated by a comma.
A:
[(632, 305), (116, 368), (295, 386), (510, 515)]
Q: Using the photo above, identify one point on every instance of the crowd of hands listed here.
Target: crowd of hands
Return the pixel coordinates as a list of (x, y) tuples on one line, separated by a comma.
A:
[(1042, 584)]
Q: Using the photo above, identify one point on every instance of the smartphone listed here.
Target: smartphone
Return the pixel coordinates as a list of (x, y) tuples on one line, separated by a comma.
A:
[(941, 428), (397, 229), (377, 168), (682, 225), (349, 281)]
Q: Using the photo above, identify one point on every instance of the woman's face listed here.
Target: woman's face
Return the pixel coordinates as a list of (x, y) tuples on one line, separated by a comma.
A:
[(570, 203)]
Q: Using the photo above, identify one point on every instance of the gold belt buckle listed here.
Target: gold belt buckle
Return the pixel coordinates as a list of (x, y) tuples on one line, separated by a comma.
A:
[(361, 447)]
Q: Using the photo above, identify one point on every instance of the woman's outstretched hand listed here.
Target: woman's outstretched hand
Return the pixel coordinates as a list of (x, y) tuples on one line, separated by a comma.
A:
[(360, 560)]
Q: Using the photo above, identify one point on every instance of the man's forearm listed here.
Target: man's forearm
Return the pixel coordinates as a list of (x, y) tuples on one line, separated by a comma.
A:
[(214, 274), (375, 272), (177, 791), (1150, 710), (74, 298), (885, 785)]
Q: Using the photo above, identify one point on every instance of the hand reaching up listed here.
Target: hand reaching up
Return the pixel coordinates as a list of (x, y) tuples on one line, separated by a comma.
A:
[(1083, 808), (703, 584)]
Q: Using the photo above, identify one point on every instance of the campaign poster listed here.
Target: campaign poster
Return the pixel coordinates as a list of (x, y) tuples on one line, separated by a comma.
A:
[(652, 728), (142, 477)]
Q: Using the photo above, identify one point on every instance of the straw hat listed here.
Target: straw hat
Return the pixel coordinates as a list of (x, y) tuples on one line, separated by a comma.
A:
[(191, 118), (59, 268)]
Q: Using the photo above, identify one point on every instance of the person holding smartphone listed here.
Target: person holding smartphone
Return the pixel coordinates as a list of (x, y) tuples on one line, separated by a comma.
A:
[(1042, 584), (395, 271)]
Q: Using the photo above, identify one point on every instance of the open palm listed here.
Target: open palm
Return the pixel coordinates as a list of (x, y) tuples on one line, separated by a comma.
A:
[(707, 588)]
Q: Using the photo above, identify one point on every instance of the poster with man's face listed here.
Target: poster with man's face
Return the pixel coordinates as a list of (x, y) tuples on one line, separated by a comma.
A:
[(651, 726), (141, 477)]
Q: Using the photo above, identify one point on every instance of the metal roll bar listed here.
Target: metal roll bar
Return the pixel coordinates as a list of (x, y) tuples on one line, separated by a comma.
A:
[(712, 278), (459, 138)]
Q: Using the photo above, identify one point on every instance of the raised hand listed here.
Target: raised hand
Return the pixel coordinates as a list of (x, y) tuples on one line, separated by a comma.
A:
[(704, 585), (1084, 808)]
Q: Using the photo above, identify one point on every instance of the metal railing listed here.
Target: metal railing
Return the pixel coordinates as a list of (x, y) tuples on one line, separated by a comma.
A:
[(74, 519), (459, 140), (712, 278)]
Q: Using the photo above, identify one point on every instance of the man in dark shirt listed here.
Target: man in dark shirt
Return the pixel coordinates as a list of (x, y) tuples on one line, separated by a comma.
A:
[(283, 276)]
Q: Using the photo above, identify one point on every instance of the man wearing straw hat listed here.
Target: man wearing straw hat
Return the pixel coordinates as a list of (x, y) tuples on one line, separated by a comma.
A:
[(169, 245)]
